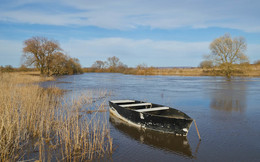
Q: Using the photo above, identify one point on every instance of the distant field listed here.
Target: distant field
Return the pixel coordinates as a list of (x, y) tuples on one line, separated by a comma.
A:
[(247, 71)]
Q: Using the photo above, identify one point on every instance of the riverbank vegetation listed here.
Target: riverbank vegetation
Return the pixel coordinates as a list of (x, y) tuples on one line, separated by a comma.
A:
[(10, 68), (113, 64), (42, 124), (48, 57), (251, 71), (206, 68)]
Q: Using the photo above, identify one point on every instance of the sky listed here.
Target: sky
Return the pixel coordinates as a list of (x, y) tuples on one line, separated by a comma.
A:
[(160, 33)]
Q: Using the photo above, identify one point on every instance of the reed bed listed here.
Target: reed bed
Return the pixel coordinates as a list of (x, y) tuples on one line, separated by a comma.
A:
[(41, 124)]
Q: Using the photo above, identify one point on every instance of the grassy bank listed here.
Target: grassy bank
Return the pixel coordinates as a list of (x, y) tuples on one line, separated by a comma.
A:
[(246, 71), (41, 124)]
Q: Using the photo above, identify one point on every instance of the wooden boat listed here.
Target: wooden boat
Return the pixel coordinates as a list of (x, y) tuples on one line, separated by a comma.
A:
[(151, 116)]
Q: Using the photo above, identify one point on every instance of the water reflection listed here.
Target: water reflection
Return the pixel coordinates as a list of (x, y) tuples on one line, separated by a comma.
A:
[(176, 144), (222, 126), (229, 96)]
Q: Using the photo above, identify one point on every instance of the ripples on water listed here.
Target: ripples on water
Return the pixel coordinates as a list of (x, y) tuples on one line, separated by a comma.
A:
[(227, 114)]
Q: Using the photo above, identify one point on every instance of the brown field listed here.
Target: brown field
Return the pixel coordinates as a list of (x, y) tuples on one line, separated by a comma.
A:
[(40, 124), (245, 71)]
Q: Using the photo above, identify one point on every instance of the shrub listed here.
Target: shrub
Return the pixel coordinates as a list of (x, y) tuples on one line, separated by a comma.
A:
[(257, 62), (206, 64)]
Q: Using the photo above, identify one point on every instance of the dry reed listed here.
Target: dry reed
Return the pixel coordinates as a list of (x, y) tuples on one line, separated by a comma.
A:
[(40, 124)]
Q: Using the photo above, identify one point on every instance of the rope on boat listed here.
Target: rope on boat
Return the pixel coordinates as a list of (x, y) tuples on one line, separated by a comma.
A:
[(197, 129)]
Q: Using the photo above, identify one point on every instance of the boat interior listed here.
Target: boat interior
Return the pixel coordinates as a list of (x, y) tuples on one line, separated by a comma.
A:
[(146, 107)]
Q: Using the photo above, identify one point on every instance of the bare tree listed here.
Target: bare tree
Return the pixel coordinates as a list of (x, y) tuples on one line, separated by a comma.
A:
[(226, 52), (113, 62), (58, 63), (206, 64), (99, 64), (38, 51), (73, 66), (257, 62), (62, 64), (141, 66)]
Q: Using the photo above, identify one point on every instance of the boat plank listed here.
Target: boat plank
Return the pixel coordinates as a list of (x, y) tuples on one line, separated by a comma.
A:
[(152, 109), (122, 101), (134, 105)]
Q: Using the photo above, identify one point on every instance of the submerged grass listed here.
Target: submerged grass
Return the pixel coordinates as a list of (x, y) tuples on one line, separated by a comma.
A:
[(41, 124)]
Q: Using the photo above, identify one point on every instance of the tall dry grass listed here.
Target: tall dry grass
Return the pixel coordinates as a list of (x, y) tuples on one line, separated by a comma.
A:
[(246, 70), (40, 124)]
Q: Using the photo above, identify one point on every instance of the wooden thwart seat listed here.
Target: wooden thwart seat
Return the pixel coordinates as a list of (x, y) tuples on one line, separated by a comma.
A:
[(122, 101), (152, 109), (134, 105)]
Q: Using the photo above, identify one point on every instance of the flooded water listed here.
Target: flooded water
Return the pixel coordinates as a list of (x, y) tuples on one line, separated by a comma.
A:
[(227, 114)]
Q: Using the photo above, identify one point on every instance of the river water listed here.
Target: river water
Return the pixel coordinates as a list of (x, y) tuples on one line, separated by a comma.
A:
[(227, 113)]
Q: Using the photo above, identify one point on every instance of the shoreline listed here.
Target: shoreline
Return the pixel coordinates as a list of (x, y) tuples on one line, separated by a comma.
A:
[(251, 71)]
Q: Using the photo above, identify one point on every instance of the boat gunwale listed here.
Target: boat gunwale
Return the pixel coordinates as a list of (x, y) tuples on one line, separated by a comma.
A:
[(161, 116), (164, 116)]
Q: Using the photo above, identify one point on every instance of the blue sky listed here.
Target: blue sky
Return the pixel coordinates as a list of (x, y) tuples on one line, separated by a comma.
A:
[(154, 32)]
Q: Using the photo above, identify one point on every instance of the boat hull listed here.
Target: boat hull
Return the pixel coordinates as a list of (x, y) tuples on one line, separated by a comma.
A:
[(149, 121)]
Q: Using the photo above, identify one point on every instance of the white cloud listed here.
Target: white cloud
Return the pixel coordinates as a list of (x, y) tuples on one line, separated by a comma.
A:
[(133, 52), (118, 14)]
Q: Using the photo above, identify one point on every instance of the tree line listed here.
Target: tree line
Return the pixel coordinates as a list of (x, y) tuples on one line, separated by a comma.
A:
[(10, 68), (112, 64), (48, 57)]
